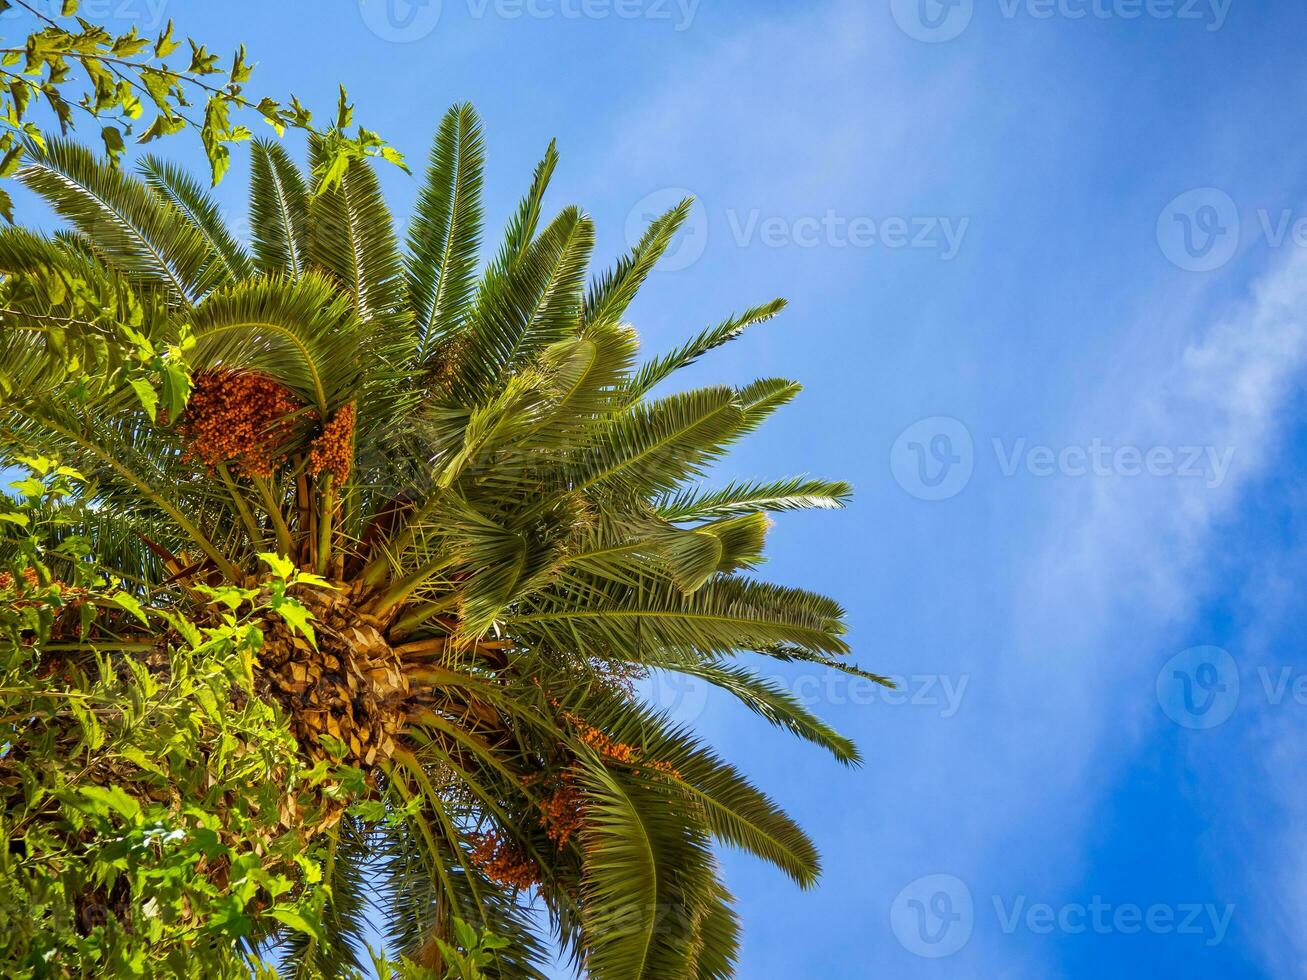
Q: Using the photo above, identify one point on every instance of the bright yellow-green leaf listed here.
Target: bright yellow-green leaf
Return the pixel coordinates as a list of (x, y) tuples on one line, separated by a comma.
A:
[(107, 799), (297, 618), (148, 397), (127, 601), (165, 45), (296, 920), (281, 567)]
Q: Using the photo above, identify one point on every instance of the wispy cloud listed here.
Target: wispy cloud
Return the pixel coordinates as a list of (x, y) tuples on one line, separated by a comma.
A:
[(1124, 565), (1004, 795), (1130, 551)]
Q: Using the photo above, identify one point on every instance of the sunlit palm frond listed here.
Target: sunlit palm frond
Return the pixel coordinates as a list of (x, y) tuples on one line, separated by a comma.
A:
[(228, 260), (279, 207), (445, 233), (131, 226)]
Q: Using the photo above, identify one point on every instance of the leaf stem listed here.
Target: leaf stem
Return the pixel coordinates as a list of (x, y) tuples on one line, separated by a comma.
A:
[(247, 517)]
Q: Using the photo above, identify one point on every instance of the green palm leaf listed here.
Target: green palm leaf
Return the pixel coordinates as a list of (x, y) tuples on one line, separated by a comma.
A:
[(663, 367), (646, 876), (301, 332), (279, 209), (798, 493), (352, 237), (228, 261), (777, 705), (445, 233), (130, 225), (532, 305), (653, 619), (613, 292)]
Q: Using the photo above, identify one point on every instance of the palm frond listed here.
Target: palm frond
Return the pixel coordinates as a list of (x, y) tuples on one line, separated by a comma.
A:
[(798, 493), (760, 399), (521, 312), (352, 238), (732, 810), (445, 232), (279, 208), (779, 706), (344, 918), (521, 228), (717, 946), (661, 368), (648, 875), (302, 332), (653, 619), (613, 292), (228, 260), (131, 226)]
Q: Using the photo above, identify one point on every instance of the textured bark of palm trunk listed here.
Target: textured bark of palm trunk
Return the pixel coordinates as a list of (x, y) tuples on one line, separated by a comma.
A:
[(350, 686)]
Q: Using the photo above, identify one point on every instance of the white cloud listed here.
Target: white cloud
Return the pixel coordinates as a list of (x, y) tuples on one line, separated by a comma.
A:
[(1004, 795), (1125, 561)]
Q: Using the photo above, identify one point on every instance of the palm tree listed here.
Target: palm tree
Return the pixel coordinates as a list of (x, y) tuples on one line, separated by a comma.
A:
[(508, 525)]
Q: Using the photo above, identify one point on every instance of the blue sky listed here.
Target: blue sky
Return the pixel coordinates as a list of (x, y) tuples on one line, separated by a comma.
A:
[(1044, 265)]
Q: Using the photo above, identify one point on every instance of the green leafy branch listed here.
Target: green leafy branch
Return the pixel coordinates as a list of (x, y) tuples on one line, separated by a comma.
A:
[(143, 794), (131, 90)]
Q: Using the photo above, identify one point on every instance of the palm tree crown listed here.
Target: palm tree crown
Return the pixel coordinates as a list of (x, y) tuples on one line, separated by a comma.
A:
[(507, 524)]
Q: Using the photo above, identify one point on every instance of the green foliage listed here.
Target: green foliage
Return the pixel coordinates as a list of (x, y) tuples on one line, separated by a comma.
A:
[(144, 791), (147, 88), (467, 957)]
